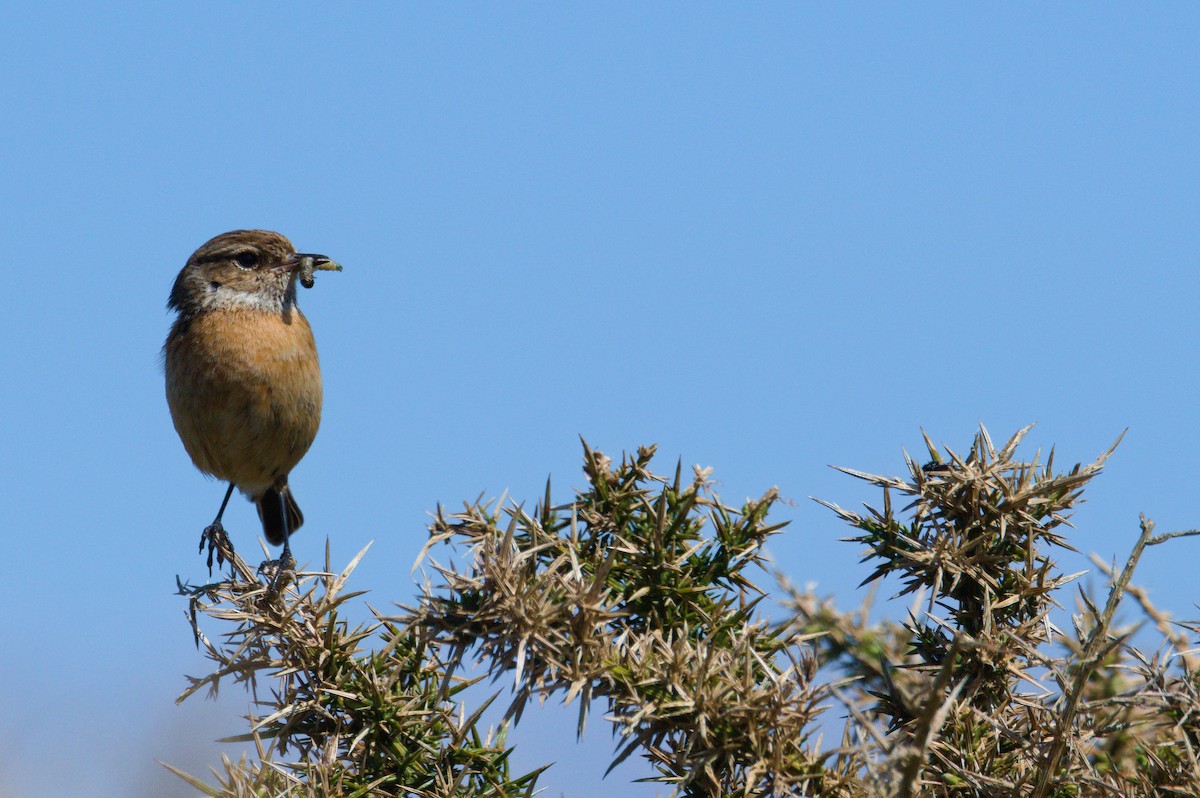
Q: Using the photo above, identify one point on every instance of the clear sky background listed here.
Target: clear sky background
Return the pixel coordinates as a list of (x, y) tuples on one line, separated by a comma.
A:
[(766, 237)]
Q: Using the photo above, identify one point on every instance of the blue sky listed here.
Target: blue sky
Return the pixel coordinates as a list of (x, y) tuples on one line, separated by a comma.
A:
[(767, 237)]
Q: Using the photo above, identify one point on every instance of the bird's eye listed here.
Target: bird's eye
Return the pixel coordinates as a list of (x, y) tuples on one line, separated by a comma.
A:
[(247, 260)]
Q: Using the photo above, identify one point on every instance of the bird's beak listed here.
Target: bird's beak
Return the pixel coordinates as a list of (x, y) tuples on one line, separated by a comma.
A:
[(304, 265), (297, 259)]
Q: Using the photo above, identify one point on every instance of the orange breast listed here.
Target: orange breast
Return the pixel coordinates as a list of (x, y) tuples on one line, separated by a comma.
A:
[(244, 389)]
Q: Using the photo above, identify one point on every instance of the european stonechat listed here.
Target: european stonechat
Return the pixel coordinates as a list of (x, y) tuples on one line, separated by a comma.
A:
[(243, 381)]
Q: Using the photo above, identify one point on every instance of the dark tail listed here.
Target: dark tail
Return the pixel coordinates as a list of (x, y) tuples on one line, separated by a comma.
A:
[(270, 512)]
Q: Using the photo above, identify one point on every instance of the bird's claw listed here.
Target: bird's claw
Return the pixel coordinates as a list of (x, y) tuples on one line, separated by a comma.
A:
[(217, 540), (286, 562), (280, 570)]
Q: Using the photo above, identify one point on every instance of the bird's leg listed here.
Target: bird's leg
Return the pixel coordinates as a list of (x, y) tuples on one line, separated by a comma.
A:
[(216, 538), (286, 564), (285, 558)]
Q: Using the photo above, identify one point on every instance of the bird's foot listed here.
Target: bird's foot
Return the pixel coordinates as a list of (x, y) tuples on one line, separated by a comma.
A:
[(217, 540), (280, 571)]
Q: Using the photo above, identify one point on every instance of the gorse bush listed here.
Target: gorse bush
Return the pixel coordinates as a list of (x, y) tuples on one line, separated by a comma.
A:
[(645, 593), (638, 594), (356, 722)]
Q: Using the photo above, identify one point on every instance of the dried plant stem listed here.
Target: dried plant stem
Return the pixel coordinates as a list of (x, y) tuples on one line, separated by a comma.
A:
[(1096, 642), (1161, 618), (936, 707)]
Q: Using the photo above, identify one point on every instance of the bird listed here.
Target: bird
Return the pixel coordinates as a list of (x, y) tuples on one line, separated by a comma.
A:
[(243, 380)]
